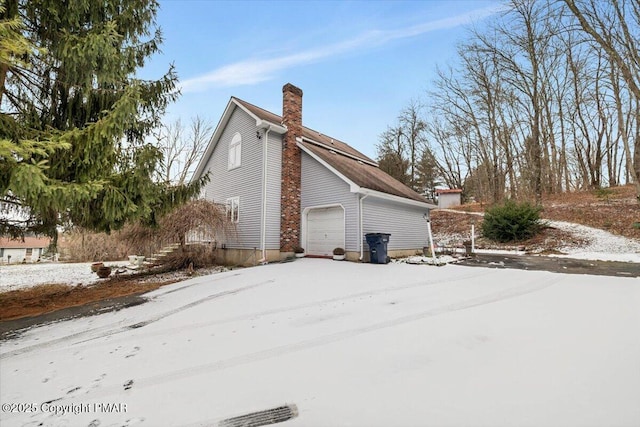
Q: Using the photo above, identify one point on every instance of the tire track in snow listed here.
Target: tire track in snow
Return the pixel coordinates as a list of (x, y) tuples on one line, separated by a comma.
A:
[(514, 292), (249, 316), (107, 330)]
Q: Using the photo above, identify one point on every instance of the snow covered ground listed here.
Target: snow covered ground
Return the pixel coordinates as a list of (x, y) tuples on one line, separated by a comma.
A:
[(24, 275), (349, 344), (602, 245)]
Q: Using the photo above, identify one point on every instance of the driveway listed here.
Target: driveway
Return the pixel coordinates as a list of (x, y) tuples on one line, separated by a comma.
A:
[(555, 264), (347, 344)]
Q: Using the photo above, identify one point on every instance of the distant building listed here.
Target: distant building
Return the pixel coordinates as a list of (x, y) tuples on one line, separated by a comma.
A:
[(448, 197), (18, 251)]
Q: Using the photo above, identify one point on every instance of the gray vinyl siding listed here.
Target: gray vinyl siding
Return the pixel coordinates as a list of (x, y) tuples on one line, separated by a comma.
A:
[(245, 181), (406, 224), (320, 186), (274, 166)]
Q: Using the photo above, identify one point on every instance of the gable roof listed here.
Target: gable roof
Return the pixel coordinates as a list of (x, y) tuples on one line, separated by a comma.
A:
[(357, 168)]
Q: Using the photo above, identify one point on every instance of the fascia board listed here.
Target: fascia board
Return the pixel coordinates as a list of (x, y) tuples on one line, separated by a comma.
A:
[(217, 133), (394, 198)]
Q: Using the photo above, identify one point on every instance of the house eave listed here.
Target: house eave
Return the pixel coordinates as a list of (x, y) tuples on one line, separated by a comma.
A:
[(355, 188), (394, 198)]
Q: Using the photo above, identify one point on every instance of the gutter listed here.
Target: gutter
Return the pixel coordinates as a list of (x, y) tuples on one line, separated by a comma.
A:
[(394, 198), (263, 236), (362, 227)]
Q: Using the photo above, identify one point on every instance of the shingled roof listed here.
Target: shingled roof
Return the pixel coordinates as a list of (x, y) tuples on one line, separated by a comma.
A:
[(349, 162)]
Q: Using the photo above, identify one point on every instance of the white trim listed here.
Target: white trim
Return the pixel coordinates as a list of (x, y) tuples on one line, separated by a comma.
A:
[(230, 201), (235, 147), (263, 228), (361, 228), (280, 129), (394, 198), (304, 227)]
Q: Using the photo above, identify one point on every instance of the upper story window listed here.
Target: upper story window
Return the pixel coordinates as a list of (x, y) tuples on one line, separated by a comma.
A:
[(235, 151)]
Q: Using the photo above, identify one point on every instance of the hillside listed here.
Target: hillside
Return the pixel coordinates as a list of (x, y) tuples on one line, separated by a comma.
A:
[(614, 210)]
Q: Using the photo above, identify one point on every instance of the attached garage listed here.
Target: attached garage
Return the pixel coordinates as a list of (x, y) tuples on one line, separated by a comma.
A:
[(324, 230)]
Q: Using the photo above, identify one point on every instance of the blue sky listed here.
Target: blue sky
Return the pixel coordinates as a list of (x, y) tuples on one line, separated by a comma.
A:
[(358, 63)]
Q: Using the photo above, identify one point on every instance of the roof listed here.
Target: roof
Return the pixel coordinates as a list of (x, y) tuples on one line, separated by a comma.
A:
[(352, 164), (448, 190), (29, 242)]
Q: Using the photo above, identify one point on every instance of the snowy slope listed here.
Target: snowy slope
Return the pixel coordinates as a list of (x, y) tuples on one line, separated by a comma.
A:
[(350, 344)]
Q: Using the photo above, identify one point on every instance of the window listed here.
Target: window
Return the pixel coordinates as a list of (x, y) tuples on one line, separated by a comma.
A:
[(233, 209), (235, 151)]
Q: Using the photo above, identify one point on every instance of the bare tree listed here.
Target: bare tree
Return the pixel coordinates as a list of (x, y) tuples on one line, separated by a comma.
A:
[(615, 27), (182, 148)]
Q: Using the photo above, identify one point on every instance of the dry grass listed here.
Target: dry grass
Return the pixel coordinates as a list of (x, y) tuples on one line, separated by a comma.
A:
[(615, 210), (51, 297)]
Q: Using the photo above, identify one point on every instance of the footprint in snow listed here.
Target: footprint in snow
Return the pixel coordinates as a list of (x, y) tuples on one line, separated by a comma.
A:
[(128, 385), (133, 352), (133, 421), (94, 423)]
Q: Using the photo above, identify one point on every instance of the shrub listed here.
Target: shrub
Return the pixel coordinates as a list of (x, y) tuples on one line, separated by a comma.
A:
[(338, 251), (298, 250), (512, 221)]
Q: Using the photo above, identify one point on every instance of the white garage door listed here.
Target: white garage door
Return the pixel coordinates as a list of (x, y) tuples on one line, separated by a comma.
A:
[(325, 230)]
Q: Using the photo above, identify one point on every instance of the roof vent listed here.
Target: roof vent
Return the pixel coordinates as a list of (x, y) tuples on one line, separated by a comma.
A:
[(360, 161), (332, 152)]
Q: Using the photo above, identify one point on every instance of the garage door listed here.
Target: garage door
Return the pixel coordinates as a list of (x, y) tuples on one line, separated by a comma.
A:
[(325, 230)]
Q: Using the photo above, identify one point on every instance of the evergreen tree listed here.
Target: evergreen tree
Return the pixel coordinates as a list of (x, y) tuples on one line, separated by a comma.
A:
[(74, 117)]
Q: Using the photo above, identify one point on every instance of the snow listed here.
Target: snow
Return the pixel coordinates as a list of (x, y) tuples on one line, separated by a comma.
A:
[(602, 245), (349, 344), (18, 276)]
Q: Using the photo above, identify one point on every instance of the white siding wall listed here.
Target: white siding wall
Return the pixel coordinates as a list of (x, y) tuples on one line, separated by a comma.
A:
[(322, 187), (245, 182), (18, 255), (405, 223)]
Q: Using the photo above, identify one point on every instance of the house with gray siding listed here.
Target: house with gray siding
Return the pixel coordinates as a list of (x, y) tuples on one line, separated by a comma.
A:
[(285, 185)]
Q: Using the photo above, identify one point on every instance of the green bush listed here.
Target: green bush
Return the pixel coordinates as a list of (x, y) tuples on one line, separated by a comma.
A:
[(512, 221)]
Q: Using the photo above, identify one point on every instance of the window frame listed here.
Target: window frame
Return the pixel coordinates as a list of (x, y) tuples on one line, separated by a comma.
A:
[(234, 159), (233, 202)]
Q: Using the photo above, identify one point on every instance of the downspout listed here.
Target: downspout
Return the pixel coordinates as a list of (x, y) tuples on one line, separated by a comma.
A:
[(362, 227), (263, 237)]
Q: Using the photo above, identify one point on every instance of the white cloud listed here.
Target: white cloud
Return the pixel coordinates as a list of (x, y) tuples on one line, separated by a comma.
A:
[(256, 70)]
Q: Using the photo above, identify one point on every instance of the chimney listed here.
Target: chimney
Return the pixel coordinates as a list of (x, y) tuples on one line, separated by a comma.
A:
[(291, 169)]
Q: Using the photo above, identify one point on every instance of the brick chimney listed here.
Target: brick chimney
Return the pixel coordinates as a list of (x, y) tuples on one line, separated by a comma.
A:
[(291, 167)]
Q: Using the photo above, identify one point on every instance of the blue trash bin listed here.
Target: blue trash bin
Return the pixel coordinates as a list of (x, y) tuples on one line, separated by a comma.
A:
[(378, 247)]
